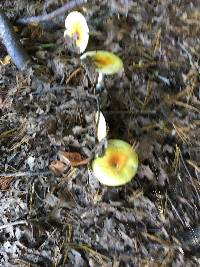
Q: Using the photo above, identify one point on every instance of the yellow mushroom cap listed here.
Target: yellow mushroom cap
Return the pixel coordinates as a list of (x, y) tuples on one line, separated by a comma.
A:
[(77, 28), (118, 165), (104, 61)]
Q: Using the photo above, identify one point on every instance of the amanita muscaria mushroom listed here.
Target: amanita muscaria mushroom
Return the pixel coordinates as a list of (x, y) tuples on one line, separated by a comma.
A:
[(77, 29), (118, 165), (105, 62)]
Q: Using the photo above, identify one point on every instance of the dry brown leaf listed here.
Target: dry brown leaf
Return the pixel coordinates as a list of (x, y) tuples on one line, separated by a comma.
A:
[(72, 158), (5, 182), (58, 167)]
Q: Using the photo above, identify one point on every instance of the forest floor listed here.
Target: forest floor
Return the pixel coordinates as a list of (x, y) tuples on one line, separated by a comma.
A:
[(51, 216)]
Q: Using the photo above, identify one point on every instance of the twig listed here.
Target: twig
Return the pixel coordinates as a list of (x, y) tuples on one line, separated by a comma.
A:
[(47, 240), (72, 75), (20, 174), (12, 43), (129, 112), (192, 62), (177, 214), (13, 224), (189, 175), (50, 16)]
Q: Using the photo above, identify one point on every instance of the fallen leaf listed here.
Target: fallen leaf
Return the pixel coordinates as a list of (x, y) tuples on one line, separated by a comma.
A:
[(72, 158), (5, 182), (58, 167)]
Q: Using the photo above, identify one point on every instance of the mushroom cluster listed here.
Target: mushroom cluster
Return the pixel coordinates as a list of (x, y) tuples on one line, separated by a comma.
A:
[(119, 162), (105, 62)]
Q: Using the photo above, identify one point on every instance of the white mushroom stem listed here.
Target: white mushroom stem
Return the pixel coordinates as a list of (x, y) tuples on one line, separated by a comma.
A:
[(100, 81)]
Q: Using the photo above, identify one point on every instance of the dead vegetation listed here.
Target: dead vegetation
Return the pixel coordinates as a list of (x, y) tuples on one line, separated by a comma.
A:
[(64, 217)]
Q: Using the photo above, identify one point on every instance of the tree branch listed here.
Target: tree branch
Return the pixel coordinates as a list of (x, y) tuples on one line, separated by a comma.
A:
[(37, 19), (12, 43)]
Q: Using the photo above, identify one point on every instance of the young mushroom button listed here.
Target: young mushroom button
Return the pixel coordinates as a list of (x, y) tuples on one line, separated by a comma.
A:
[(77, 29), (118, 165), (105, 62), (101, 126)]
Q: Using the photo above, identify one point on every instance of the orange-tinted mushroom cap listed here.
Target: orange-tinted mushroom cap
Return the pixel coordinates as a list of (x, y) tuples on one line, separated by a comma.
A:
[(105, 62), (118, 165)]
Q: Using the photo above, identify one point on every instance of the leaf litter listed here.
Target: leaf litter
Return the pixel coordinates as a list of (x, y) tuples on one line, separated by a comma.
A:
[(65, 217)]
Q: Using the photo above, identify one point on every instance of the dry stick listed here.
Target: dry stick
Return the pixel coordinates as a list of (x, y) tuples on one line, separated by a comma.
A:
[(175, 210), (20, 174), (24, 222), (189, 175), (129, 112), (57, 12), (12, 43)]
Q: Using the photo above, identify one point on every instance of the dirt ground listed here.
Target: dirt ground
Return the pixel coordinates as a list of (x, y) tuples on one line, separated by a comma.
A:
[(69, 218)]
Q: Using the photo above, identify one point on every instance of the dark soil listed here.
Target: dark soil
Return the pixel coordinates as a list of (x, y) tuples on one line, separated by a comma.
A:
[(71, 219)]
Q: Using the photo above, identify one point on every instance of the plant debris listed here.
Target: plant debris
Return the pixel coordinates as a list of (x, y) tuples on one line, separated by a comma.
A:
[(53, 210)]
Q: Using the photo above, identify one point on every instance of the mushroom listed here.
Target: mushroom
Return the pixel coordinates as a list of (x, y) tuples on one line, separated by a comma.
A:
[(101, 126), (105, 62), (77, 29), (118, 165)]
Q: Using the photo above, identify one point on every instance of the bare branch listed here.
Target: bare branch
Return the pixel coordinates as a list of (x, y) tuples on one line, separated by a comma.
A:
[(12, 43), (37, 19), (13, 224)]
